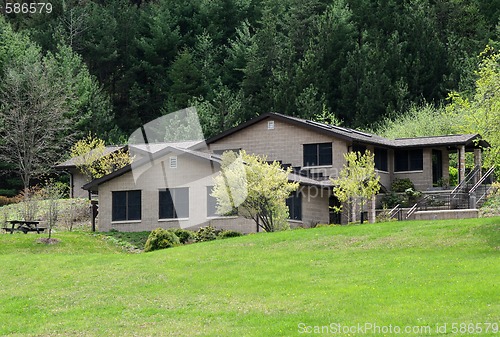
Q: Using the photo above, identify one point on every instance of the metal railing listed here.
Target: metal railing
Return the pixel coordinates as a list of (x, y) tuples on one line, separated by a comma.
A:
[(396, 211), (486, 188), (462, 187)]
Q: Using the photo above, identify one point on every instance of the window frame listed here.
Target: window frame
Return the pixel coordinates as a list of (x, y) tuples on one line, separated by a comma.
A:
[(126, 207), (320, 153), (409, 160)]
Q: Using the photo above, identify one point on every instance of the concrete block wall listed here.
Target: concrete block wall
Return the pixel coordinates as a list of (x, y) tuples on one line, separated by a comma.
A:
[(284, 142)]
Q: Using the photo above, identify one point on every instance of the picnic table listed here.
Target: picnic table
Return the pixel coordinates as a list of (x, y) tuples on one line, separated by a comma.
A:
[(24, 226)]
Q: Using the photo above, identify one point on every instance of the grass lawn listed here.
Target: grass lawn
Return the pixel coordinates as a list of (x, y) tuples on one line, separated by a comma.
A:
[(416, 274)]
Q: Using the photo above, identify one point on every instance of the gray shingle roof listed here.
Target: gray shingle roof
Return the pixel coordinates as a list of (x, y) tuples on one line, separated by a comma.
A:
[(71, 163), (357, 136)]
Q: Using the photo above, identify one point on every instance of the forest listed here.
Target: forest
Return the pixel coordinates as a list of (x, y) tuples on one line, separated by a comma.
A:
[(109, 67)]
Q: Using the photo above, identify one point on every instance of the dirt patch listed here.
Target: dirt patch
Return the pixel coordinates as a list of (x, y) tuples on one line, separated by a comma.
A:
[(48, 241)]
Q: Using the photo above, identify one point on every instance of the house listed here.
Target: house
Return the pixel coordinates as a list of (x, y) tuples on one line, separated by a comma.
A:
[(170, 186), (76, 178)]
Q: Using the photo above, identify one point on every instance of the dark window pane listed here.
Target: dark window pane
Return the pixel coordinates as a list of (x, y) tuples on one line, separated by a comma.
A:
[(134, 205), (294, 203), (166, 205), (401, 160), (317, 154), (381, 159), (359, 148), (310, 154), (416, 160), (119, 206), (325, 154)]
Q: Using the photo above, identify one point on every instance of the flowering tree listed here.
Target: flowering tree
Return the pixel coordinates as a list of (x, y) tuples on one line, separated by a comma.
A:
[(357, 181), (258, 188)]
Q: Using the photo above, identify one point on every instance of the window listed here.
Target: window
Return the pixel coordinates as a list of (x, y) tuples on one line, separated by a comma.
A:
[(359, 148), (318, 154), (174, 203), (294, 203), (212, 205), (408, 160), (173, 162), (126, 205), (381, 159)]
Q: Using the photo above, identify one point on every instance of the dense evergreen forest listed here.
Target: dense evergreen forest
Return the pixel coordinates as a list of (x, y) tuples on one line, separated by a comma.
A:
[(121, 63), (234, 59)]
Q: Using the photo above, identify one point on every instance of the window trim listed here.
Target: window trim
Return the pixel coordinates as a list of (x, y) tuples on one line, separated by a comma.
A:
[(408, 154), (318, 161), (127, 206)]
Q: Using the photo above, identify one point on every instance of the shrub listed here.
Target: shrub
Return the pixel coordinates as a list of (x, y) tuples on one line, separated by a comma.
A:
[(205, 234), (392, 199), (7, 192), (160, 239), (453, 172), (401, 185), (184, 235), (224, 234), (412, 194)]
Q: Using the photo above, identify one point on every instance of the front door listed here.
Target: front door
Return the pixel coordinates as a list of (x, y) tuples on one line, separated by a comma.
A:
[(437, 168), (335, 217)]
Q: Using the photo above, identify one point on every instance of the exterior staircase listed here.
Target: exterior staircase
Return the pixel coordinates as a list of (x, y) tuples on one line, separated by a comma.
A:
[(469, 194)]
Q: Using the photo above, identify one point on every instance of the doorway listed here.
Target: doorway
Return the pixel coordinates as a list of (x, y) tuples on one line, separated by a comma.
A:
[(437, 168), (335, 217)]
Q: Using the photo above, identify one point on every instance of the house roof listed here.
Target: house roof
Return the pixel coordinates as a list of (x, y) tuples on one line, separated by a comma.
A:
[(155, 147), (158, 154), (471, 140), (71, 163), (135, 148), (356, 136)]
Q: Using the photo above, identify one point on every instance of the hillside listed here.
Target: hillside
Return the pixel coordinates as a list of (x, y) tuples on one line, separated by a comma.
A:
[(276, 284)]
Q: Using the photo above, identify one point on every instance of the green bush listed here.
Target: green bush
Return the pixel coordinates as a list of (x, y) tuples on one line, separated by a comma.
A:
[(401, 185), (160, 239), (205, 234), (184, 235), (224, 234), (391, 199), (7, 192), (453, 173)]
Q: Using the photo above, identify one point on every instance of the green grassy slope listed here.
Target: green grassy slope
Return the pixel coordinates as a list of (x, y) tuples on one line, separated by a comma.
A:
[(399, 274)]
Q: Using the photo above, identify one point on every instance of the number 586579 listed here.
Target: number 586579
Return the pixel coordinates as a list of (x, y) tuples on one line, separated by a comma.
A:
[(28, 8)]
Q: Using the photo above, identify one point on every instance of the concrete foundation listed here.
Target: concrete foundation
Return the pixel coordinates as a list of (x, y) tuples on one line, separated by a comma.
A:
[(446, 214)]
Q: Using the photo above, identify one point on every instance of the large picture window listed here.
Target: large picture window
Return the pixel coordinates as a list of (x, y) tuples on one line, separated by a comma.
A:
[(126, 205), (318, 154), (174, 203), (294, 203), (381, 159), (408, 160)]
